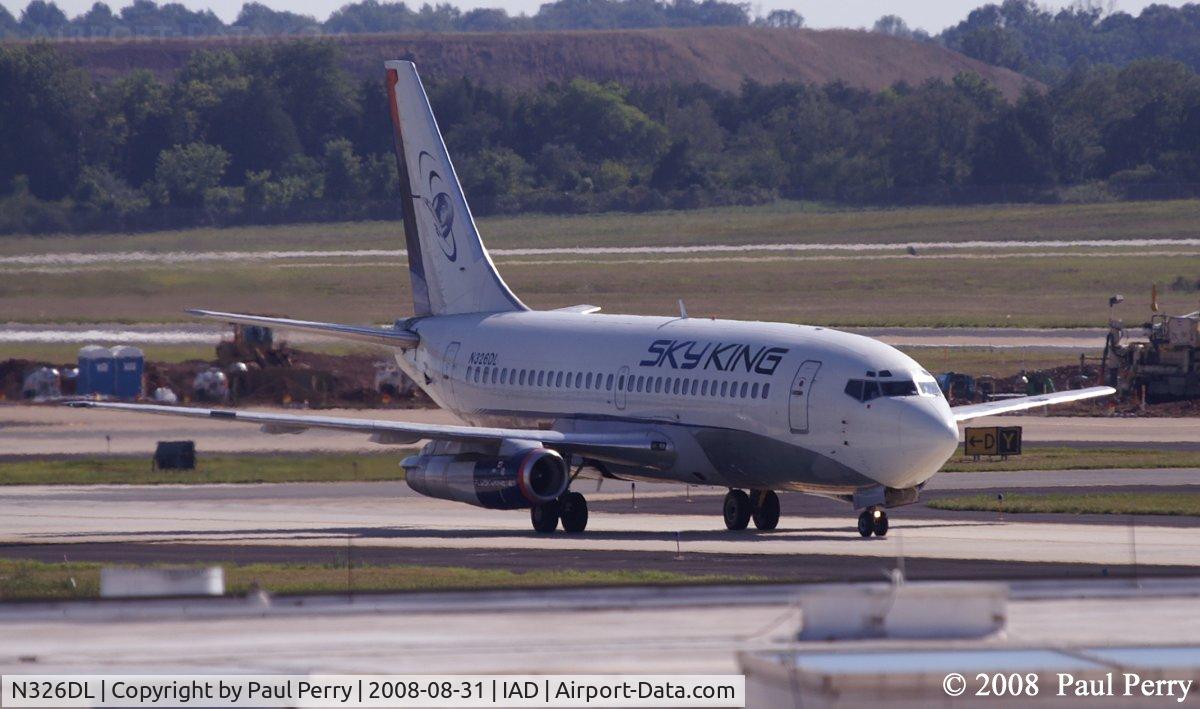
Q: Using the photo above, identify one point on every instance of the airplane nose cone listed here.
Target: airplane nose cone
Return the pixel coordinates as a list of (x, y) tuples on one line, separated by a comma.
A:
[(928, 437)]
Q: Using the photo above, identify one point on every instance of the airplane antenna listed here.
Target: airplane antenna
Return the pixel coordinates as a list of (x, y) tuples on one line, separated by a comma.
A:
[(682, 309)]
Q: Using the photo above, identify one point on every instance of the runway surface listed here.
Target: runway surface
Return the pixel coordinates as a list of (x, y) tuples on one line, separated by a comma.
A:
[(60, 430), (526, 632), (391, 522)]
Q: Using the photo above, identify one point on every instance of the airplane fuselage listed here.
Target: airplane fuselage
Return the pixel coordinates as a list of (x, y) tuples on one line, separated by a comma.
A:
[(744, 404)]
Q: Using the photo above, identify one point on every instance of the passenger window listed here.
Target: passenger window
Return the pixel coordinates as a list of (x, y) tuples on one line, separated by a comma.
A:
[(609, 386), (745, 389), (641, 381), (504, 376), (724, 388), (588, 381), (766, 389), (754, 391), (541, 377), (620, 382), (658, 385), (704, 388)]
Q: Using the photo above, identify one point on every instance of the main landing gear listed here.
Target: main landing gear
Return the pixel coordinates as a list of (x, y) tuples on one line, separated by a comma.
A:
[(760, 505), (873, 521), (570, 508)]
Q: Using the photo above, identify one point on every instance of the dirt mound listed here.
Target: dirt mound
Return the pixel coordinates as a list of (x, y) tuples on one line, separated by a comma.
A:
[(314, 380), (718, 56)]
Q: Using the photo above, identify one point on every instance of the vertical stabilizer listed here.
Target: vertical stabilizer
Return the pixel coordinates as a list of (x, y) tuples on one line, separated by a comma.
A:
[(450, 268)]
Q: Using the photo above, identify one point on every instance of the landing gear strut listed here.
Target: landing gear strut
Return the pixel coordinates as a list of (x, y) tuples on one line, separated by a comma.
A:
[(873, 521), (570, 508)]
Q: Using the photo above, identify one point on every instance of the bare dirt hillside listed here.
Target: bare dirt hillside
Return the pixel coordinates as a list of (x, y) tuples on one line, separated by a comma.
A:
[(719, 56)]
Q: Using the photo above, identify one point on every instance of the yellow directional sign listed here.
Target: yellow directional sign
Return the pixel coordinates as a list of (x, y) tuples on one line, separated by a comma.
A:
[(993, 440)]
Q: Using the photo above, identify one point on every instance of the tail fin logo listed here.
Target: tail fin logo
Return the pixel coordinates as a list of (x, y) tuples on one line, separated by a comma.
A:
[(441, 207)]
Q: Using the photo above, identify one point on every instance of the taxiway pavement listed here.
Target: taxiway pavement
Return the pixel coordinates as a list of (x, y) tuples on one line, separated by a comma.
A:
[(656, 630), (390, 516)]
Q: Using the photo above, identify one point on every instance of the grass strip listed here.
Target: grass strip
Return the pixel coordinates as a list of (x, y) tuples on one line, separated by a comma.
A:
[(1056, 458), (1100, 503), (35, 580), (209, 469)]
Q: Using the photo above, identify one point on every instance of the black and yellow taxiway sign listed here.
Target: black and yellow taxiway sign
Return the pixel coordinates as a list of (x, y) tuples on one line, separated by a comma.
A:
[(993, 440)]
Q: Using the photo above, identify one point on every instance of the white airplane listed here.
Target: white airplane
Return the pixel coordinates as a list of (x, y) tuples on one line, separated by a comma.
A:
[(551, 394)]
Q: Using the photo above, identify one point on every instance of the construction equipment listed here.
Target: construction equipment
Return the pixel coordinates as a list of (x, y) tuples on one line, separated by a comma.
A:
[(1156, 361), (253, 344)]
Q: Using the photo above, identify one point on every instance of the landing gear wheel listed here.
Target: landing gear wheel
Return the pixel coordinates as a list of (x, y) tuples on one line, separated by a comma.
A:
[(880, 524), (766, 510), (866, 526), (573, 511), (544, 517), (737, 510)]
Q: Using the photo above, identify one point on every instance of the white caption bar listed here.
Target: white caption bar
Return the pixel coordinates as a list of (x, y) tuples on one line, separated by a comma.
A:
[(373, 690)]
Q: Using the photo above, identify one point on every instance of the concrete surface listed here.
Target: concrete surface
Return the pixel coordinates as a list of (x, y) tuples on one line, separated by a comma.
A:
[(594, 631), (388, 515)]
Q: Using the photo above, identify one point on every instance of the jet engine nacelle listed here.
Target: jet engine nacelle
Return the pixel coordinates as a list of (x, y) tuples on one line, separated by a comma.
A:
[(530, 477)]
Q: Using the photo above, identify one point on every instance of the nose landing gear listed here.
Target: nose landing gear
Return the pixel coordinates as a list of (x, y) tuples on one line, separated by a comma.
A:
[(873, 521)]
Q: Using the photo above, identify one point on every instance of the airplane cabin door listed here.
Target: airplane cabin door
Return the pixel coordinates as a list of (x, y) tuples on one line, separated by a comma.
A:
[(800, 392), (619, 394), (448, 367)]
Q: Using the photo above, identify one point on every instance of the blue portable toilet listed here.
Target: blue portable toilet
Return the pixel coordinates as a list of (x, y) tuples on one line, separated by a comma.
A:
[(130, 364), (97, 373)]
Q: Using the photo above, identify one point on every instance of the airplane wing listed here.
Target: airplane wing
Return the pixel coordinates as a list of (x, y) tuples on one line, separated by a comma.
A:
[(388, 336), (1004, 406), (632, 448), (581, 309)]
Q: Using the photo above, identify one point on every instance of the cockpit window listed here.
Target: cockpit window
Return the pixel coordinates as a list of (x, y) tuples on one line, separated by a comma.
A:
[(930, 388), (903, 387), (866, 389)]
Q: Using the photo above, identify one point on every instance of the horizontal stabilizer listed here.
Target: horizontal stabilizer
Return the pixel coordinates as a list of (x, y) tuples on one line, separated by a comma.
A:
[(1006, 406), (386, 336)]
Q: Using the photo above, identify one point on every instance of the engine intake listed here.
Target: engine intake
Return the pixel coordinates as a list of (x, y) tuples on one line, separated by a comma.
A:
[(531, 477)]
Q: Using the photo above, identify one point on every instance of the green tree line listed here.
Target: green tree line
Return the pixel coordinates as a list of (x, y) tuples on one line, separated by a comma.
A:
[(277, 132), (145, 18), (1046, 44)]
